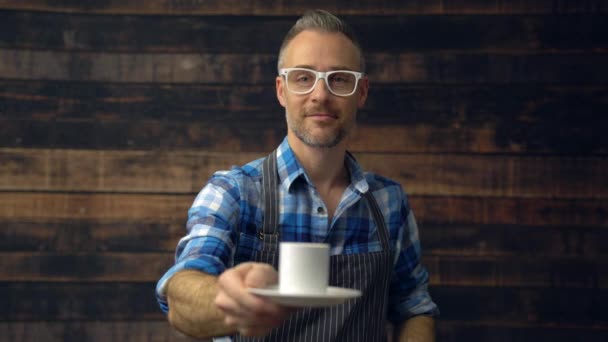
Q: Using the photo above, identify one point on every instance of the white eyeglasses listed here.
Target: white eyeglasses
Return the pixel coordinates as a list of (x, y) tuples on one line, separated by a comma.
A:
[(303, 81)]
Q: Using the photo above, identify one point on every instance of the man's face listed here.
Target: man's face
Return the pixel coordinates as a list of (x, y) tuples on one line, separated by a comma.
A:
[(320, 118)]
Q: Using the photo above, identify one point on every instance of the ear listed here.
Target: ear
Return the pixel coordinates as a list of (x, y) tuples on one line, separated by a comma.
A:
[(363, 91), (280, 88)]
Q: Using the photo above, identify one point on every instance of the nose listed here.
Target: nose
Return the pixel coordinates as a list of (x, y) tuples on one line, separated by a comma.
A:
[(321, 91)]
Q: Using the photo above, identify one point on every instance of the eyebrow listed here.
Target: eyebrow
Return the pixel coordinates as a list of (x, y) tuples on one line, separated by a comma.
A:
[(338, 67)]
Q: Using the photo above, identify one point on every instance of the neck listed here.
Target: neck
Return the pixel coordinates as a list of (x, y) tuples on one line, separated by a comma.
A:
[(324, 166)]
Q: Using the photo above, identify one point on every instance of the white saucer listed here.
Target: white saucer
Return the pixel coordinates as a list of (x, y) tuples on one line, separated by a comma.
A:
[(332, 296)]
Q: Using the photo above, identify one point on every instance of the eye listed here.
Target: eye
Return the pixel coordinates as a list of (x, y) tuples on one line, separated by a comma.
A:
[(303, 78)]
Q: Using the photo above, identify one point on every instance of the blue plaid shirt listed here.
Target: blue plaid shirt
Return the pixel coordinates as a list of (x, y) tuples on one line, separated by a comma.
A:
[(229, 211)]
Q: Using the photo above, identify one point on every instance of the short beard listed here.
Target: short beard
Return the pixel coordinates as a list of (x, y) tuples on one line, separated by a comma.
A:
[(311, 141)]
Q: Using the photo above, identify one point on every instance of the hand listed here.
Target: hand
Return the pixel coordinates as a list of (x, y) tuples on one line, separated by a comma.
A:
[(249, 314)]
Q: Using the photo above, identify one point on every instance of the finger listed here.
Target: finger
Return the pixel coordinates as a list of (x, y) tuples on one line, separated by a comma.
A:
[(227, 305), (261, 275), (233, 284)]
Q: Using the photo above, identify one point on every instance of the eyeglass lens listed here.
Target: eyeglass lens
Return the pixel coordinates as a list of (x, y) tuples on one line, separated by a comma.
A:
[(302, 81)]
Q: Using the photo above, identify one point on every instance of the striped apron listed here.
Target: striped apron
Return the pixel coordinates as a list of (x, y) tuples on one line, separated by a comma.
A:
[(359, 319)]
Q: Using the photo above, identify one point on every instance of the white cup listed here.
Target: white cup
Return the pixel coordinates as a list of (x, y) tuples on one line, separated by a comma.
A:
[(303, 267)]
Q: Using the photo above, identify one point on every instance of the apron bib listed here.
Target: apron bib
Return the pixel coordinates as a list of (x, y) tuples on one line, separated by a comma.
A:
[(358, 319)]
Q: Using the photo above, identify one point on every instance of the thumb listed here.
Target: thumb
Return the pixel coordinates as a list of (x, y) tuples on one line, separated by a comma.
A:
[(261, 275)]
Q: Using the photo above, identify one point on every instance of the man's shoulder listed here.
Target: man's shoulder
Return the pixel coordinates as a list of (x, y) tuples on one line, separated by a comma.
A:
[(251, 170), (378, 182)]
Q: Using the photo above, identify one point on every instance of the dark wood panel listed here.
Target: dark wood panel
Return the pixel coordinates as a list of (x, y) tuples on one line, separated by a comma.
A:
[(457, 331), (530, 118), (92, 331), (90, 267), (41, 301), (225, 34), (82, 236), (433, 67), (520, 211), (166, 171), (136, 301), (101, 208), (529, 270), (156, 208), (459, 106), (562, 307), (504, 176), (277, 7), (158, 331), (514, 240)]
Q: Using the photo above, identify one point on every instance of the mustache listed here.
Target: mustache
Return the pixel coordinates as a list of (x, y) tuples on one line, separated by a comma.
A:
[(316, 110)]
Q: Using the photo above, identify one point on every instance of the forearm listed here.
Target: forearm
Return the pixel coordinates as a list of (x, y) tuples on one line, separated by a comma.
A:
[(191, 295), (416, 329)]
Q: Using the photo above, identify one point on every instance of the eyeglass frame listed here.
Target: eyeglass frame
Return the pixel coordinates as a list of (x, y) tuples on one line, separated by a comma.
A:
[(322, 75)]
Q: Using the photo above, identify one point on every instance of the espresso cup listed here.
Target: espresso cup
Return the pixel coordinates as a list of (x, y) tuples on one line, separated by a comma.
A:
[(303, 267)]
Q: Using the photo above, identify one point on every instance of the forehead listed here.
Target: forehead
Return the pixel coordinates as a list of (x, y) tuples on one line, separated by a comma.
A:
[(322, 51)]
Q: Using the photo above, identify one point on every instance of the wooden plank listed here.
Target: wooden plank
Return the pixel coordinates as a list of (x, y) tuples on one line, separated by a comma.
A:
[(585, 68), (559, 307), (156, 208), (164, 171), (277, 7), (456, 331), (82, 236), (507, 241), (527, 270), (472, 175), (93, 331), (158, 331), (419, 118), (520, 211), (225, 34), (531, 269), (454, 106), (582, 139), (136, 302), (130, 208), (79, 301), (89, 267)]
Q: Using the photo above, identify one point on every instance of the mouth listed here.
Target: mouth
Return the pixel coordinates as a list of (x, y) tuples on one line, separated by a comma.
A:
[(322, 116)]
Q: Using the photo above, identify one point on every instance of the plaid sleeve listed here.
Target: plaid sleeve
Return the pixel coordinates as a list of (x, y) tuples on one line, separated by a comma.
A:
[(408, 294), (210, 240)]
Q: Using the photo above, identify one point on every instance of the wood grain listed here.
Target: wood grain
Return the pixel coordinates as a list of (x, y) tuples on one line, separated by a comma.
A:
[(93, 331), (136, 302), (559, 307), (82, 236), (234, 34), (277, 7), (418, 118), (456, 331), (158, 331), (526, 270), (514, 240), (156, 208), (159, 171), (421, 67)]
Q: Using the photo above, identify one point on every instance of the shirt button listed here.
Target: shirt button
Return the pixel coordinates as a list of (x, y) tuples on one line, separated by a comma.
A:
[(320, 210)]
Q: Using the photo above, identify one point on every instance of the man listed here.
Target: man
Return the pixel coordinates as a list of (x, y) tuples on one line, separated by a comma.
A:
[(311, 190)]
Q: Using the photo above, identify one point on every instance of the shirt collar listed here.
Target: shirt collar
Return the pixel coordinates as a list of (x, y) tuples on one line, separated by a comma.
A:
[(289, 169)]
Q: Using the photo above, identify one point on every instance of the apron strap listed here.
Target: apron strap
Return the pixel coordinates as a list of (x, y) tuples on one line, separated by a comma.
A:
[(270, 232), (379, 218)]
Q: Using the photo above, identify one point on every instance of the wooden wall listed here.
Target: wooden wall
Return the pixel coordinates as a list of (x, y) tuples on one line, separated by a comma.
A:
[(492, 114)]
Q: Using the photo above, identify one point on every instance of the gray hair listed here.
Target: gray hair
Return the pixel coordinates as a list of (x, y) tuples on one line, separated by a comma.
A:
[(323, 21)]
